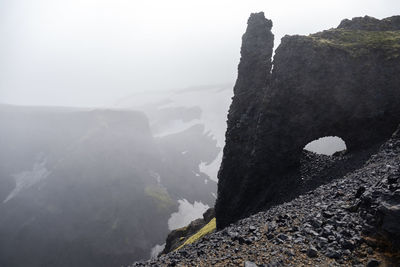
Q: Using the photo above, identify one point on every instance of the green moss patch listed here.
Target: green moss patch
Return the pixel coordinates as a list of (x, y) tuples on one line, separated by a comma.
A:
[(207, 229)]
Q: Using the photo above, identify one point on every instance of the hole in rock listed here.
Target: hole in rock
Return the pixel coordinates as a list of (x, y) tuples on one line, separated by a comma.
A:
[(326, 145)]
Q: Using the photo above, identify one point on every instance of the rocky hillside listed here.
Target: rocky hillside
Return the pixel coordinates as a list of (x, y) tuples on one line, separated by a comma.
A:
[(351, 221)]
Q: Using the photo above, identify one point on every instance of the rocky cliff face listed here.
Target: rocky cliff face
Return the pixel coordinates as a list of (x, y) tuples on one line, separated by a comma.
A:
[(341, 82)]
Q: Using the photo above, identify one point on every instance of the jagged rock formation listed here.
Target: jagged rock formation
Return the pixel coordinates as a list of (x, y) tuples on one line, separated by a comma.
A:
[(351, 221), (341, 82)]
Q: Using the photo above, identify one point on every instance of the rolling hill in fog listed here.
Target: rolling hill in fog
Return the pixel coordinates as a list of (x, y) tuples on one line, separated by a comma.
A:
[(83, 187)]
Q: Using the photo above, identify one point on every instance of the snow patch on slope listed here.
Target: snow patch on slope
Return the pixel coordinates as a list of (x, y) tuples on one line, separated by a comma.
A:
[(27, 179), (212, 168)]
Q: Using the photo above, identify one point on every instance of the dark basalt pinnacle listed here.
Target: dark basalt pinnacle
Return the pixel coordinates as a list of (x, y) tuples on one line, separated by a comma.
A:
[(253, 76), (256, 51)]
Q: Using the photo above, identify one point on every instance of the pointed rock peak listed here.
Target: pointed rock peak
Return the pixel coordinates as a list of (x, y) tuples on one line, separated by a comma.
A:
[(256, 52), (258, 19)]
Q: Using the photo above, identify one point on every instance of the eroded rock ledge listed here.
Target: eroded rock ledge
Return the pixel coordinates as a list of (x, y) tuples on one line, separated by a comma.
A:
[(341, 82)]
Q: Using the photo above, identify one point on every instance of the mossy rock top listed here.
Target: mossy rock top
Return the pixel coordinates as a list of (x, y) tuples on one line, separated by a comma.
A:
[(360, 42)]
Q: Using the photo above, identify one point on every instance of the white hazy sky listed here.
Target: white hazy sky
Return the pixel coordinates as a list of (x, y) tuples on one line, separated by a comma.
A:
[(92, 52)]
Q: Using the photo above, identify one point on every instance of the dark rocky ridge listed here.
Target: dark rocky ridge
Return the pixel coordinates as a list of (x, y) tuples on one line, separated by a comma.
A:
[(371, 24), (351, 221), (341, 82)]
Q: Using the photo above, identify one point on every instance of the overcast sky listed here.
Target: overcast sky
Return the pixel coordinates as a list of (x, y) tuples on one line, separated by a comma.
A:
[(92, 52)]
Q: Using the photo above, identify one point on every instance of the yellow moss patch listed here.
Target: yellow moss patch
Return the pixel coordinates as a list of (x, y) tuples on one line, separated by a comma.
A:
[(207, 229)]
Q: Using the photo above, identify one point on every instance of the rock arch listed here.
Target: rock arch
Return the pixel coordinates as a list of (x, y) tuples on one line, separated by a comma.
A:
[(342, 82)]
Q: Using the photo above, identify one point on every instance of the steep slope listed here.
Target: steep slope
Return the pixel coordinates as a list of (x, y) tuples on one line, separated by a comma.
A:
[(351, 221), (342, 82)]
